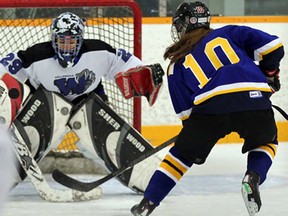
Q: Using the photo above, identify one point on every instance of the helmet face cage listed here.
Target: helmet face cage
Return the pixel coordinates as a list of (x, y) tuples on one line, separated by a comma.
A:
[(189, 16), (179, 27), (67, 37)]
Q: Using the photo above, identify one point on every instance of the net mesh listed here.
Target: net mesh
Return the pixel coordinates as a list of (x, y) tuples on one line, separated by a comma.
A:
[(24, 27)]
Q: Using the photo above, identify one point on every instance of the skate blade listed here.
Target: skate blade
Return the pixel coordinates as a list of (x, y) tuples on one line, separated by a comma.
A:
[(135, 212), (251, 206)]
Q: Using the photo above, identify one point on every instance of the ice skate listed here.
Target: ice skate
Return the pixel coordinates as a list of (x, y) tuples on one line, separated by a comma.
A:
[(250, 193), (144, 208)]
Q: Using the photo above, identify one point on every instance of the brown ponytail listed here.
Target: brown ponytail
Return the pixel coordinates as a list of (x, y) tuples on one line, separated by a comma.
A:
[(179, 49)]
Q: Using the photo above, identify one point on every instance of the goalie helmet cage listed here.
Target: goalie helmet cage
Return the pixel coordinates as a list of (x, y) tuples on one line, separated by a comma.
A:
[(117, 22)]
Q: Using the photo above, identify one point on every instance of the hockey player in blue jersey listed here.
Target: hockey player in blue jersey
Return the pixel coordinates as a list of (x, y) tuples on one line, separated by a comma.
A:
[(220, 81)]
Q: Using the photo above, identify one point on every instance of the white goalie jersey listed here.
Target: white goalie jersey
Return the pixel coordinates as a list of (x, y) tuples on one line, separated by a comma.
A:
[(96, 59)]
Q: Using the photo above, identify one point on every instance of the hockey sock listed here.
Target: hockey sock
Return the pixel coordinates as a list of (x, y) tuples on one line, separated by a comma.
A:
[(261, 159), (170, 171)]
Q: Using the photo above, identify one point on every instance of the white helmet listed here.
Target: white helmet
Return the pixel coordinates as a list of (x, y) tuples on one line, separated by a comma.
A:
[(65, 29)]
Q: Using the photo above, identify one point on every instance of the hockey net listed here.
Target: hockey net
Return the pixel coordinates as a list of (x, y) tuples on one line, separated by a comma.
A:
[(117, 22)]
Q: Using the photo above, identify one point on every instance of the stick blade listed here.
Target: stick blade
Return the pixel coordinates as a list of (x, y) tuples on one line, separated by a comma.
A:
[(69, 182), (53, 195)]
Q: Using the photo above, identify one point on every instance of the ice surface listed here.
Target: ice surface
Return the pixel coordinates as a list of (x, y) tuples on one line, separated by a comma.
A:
[(209, 189)]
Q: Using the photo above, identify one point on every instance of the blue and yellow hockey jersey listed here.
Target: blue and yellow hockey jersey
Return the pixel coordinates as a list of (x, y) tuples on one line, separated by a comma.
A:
[(221, 75)]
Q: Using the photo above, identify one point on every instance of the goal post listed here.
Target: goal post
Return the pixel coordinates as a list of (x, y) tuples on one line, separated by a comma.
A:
[(118, 22)]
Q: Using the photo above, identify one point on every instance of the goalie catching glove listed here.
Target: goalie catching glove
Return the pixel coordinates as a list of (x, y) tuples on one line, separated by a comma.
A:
[(141, 81)]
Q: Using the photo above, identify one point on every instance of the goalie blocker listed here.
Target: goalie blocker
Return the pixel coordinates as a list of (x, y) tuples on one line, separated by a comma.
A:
[(141, 81), (13, 94), (104, 132)]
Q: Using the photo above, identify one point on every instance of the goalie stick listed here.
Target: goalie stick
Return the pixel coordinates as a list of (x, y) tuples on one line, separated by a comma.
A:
[(67, 181), (37, 179)]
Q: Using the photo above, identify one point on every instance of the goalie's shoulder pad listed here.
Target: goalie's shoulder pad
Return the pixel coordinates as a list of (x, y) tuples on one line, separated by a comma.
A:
[(13, 94), (141, 81)]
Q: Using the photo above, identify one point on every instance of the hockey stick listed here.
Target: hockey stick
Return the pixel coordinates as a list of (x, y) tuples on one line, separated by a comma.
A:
[(36, 177), (67, 181), (87, 186), (281, 111)]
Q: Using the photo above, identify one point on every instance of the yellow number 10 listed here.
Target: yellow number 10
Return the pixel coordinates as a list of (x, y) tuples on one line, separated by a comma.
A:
[(192, 64)]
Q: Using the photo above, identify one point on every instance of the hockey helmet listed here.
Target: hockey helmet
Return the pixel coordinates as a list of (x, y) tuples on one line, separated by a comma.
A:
[(67, 32), (189, 16)]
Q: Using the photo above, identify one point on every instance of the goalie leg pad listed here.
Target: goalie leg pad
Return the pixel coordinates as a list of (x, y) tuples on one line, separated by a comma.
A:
[(43, 119), (117, 143), (36, 177), (142, 81)]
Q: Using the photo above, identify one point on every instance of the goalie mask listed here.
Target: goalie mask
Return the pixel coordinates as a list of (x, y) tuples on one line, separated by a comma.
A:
[(67, 37), (189, 16)]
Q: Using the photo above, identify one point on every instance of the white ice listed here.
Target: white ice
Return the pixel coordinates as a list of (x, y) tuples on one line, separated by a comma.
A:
[(210, 189)]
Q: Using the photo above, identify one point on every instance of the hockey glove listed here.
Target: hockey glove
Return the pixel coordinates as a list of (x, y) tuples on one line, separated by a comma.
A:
[(273, 79), (271, 73), (141, 81), (274, 83)]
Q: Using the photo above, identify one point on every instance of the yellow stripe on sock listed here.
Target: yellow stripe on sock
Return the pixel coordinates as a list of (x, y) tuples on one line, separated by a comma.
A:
[(176, 163), (171, 170), (271, 149)]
